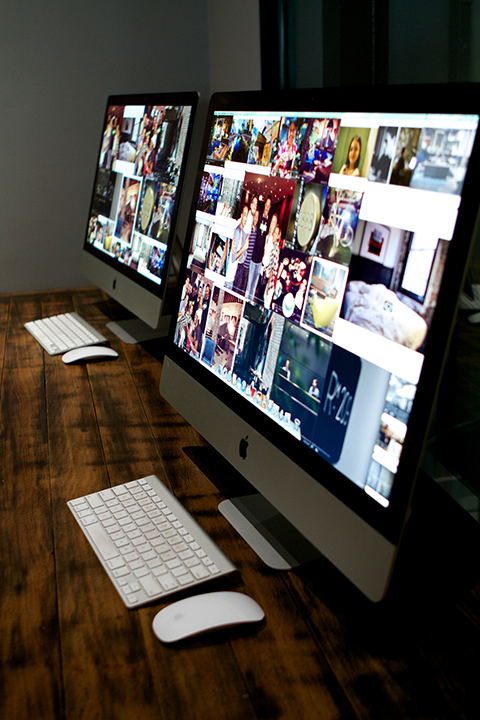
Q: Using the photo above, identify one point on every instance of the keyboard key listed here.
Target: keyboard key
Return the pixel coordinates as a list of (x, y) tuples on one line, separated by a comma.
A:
[(141, 572), (168, 582), (186, 579), (150, 585), (116, 563), (200, 572), (121, 572)]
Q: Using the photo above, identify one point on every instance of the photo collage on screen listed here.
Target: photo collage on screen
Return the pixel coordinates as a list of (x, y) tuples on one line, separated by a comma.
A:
[(136, 184), (314, 268)]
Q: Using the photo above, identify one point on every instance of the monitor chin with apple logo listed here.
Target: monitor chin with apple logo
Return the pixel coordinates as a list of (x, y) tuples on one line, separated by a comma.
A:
[(243, 447), (328, 239)]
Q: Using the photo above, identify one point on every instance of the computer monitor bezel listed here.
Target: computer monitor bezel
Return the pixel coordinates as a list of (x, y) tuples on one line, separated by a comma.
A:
[(388, 522), (135, 291)]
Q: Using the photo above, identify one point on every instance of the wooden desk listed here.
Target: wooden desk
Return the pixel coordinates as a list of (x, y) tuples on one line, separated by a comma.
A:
[(70, 648)]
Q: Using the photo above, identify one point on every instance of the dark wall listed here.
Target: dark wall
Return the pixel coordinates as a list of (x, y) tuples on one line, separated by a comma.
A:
[(311, 43)]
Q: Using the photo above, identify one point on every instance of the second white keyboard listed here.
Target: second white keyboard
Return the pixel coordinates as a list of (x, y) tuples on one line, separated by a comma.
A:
[(148, 543), (67, 331)]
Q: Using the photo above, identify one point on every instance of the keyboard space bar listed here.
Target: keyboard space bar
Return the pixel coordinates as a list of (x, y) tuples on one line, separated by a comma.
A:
[(101, 540)]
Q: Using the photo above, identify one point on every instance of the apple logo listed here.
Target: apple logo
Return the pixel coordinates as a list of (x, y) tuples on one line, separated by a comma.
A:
[(242, 448)]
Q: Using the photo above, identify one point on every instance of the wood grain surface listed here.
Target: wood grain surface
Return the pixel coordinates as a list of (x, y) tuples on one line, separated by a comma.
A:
[(69, 647)]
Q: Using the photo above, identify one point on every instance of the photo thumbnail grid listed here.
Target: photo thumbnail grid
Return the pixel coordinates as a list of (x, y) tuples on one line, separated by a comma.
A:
[(314, 269), (137, 180)]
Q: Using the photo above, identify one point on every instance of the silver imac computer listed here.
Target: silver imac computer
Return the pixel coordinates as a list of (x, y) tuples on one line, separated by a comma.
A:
[(328, 242), (135, 201)]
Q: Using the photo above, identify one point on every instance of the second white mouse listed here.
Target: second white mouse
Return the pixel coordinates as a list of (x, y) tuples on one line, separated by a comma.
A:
[(89, 352), (202, 613)]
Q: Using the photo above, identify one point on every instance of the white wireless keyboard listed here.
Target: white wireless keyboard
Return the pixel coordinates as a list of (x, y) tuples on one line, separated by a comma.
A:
[(59, 333), (148, 543)]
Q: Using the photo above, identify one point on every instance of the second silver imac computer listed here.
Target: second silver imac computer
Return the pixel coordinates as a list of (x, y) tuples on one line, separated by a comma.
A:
[(135, 202)]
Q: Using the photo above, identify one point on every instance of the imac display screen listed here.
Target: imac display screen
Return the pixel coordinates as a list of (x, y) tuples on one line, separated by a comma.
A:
[(328, 242), (139, 174)]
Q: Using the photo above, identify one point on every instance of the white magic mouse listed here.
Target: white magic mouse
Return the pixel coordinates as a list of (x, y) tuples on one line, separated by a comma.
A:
[(201, 613), (89, 352), (475, 318)]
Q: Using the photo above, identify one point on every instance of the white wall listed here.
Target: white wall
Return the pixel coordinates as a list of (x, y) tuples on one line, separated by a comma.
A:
[(59, 60)]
